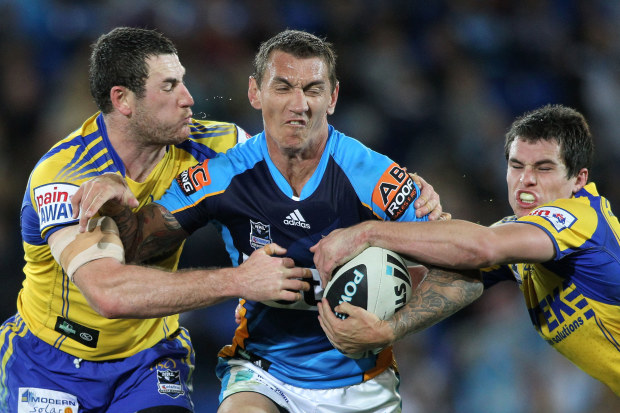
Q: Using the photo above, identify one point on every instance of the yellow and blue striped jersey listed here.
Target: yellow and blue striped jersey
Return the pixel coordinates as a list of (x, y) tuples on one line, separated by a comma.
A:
[(52, 306), (574, 299)]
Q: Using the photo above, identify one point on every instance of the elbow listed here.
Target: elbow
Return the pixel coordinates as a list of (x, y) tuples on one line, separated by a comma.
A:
[(109, 306), (484, 253), (478, 253)]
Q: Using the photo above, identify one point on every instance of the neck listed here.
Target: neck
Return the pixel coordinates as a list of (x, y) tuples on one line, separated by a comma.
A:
[(139, 158), (296, 166)]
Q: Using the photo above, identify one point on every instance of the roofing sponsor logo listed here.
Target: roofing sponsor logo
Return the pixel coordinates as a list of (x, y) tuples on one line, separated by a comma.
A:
[(260, 234), (296, 219), (394, 192), (53, 203), (193, 179), (558, 217)]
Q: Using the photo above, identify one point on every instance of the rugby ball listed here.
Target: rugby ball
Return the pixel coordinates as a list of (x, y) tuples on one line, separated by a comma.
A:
[(377, 280)]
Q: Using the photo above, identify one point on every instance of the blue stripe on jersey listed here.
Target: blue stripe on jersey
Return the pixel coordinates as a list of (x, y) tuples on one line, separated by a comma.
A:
[(200, 152)]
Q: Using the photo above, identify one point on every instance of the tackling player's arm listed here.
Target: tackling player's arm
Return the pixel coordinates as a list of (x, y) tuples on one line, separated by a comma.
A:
[(93, 260), (449, 244)]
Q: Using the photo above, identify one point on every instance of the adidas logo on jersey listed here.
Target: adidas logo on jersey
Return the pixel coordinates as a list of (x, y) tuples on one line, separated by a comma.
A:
[(296, 219)]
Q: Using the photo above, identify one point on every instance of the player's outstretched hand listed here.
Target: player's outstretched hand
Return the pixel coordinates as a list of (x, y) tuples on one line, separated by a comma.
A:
[(338, 247), (428, 201), (359, 332), (104, 194), (265, 276)]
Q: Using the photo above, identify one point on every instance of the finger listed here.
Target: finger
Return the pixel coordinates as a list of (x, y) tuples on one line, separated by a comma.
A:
[(268, 249), (289, 295), (416, 178), (436, 211), (75, 202), (296, 285)]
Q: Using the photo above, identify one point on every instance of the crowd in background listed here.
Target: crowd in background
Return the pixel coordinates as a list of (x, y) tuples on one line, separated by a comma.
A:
[(433, 84)]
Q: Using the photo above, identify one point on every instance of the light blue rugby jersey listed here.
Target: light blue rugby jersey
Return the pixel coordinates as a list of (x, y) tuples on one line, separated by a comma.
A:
[(248, 198)]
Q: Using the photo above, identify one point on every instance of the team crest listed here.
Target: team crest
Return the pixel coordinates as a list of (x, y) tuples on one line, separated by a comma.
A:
[(169, 383), (558, 217), (260, 234)]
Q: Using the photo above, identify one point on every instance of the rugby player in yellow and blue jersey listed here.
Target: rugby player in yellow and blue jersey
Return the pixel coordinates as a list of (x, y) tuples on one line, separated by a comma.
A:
[(562, 247), (92, 334)]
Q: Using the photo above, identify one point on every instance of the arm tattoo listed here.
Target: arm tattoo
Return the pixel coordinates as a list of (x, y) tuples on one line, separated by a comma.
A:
[(441, 294), (161, 233), (150, 233)]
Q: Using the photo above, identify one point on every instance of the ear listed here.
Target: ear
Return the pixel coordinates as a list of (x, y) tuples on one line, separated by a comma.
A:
[(581, 180), (334, 98), (121, 99), (254, 93)]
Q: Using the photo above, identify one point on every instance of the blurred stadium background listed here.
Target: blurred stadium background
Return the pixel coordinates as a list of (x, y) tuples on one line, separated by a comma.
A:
[(434, 84)]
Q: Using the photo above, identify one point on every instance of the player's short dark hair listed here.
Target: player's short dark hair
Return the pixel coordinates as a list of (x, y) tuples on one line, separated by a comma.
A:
[(119, 57), (299, 44), (565, 125)]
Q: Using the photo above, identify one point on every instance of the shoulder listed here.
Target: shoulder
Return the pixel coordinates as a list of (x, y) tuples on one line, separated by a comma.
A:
[(375, 176), (218, 136), (215, 174)]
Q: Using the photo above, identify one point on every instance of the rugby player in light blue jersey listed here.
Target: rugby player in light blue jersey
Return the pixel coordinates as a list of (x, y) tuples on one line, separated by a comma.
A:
[(565, 257)]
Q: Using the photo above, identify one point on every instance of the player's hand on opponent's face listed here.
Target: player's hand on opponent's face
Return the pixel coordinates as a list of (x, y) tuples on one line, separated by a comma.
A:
[(335, 249), (359, 332), (104, 194), (266, 277), (428, 201)]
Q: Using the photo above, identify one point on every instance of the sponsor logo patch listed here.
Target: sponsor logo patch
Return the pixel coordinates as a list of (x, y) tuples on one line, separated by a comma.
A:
[(558, 217), (194, 178), (260, 234), (394, 192), (32, 399), (81, 334), (53, 203), (296, 219), (169, 383)]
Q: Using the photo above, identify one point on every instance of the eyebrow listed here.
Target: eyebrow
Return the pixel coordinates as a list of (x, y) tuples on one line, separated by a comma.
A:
[(286, 82), (538, 163)]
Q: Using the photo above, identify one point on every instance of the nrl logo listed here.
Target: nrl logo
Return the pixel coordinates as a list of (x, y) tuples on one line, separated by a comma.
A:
[(260, 234)]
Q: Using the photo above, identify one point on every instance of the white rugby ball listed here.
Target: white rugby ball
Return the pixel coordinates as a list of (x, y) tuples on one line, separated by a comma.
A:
[(377, 280)]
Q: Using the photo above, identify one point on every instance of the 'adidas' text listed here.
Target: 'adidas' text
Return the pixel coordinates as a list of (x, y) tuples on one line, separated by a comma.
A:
[(295, 218)]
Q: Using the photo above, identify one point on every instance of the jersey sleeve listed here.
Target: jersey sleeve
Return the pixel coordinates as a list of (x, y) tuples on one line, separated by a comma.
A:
[(192, 196), (47, 203), (381, 184), (569, 223)]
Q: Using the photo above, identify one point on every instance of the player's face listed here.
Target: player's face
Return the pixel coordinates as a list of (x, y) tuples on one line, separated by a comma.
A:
[(162, 116), (537, 175), (295, 98)]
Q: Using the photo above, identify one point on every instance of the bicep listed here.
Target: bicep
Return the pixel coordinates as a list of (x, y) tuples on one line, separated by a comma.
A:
[(517, 242)]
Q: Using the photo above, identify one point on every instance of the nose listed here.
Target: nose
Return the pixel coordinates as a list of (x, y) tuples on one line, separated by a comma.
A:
[(185, 98), (299, 102), (528, 177)]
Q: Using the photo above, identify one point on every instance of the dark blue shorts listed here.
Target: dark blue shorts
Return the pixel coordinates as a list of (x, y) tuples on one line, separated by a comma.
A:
[(35, 376)]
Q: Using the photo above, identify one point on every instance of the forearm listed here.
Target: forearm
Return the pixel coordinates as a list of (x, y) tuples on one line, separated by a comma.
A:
[(129, 291), (440, 295), (449, 244)]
